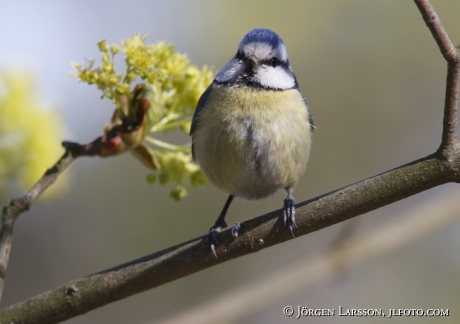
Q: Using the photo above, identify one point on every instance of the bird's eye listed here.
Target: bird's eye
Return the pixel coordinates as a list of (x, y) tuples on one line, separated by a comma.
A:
[(239, 56), (274, 62)]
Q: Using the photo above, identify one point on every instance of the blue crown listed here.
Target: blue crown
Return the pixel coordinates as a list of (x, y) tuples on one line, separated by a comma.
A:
[(262, 35)]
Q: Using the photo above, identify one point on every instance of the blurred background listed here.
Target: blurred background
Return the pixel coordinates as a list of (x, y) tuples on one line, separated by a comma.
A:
[(374, 79)]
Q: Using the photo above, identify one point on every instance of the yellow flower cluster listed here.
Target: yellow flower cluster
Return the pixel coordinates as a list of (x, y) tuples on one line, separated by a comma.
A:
[(176, 167), (104, 77), (30, 134), (174, 87)]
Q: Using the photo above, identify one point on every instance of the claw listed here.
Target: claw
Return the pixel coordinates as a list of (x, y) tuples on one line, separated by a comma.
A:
[(235, 229), (212, 235), (212, 238), (289, 212), (218, 226), (293, 221), (213, 249), (292, 231)]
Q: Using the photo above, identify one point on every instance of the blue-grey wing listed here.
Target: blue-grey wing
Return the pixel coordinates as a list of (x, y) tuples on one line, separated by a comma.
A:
[(196, 116), (310, 117)]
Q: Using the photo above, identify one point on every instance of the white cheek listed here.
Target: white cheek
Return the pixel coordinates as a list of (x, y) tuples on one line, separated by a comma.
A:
[(275, 78)]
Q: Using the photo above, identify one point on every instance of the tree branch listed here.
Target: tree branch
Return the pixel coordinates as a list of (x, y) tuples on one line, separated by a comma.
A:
[(82, 295), (452, 56), (248, 297)]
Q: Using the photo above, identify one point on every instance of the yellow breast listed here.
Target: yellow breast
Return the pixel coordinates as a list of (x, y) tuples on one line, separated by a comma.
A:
[(251, 142)]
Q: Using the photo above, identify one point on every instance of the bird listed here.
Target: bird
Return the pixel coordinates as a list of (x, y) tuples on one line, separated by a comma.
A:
[(252, 128)]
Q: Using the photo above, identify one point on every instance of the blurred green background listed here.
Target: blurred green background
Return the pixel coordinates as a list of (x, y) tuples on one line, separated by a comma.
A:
[(374, 79)]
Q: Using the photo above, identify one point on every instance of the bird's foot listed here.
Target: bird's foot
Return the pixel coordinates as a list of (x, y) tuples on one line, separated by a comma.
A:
[(214, 233), (289, 213)]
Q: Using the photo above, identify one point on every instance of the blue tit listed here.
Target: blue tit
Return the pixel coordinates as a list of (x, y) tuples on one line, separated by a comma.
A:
[(252, 128)]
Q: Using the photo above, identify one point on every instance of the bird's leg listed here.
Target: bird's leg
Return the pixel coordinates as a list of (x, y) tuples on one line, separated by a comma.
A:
[(220, 223), (289, 211)]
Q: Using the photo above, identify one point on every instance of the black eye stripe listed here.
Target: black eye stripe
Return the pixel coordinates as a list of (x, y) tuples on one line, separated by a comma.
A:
[(273, 62)]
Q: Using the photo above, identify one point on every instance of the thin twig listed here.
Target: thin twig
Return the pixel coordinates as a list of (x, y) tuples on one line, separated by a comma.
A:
[(452, 56), (17, 206), (410, 226), (433, 22), (84, 294), (101, 146)]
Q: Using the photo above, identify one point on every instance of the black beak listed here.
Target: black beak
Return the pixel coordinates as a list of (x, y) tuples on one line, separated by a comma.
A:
[(251, 65)]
